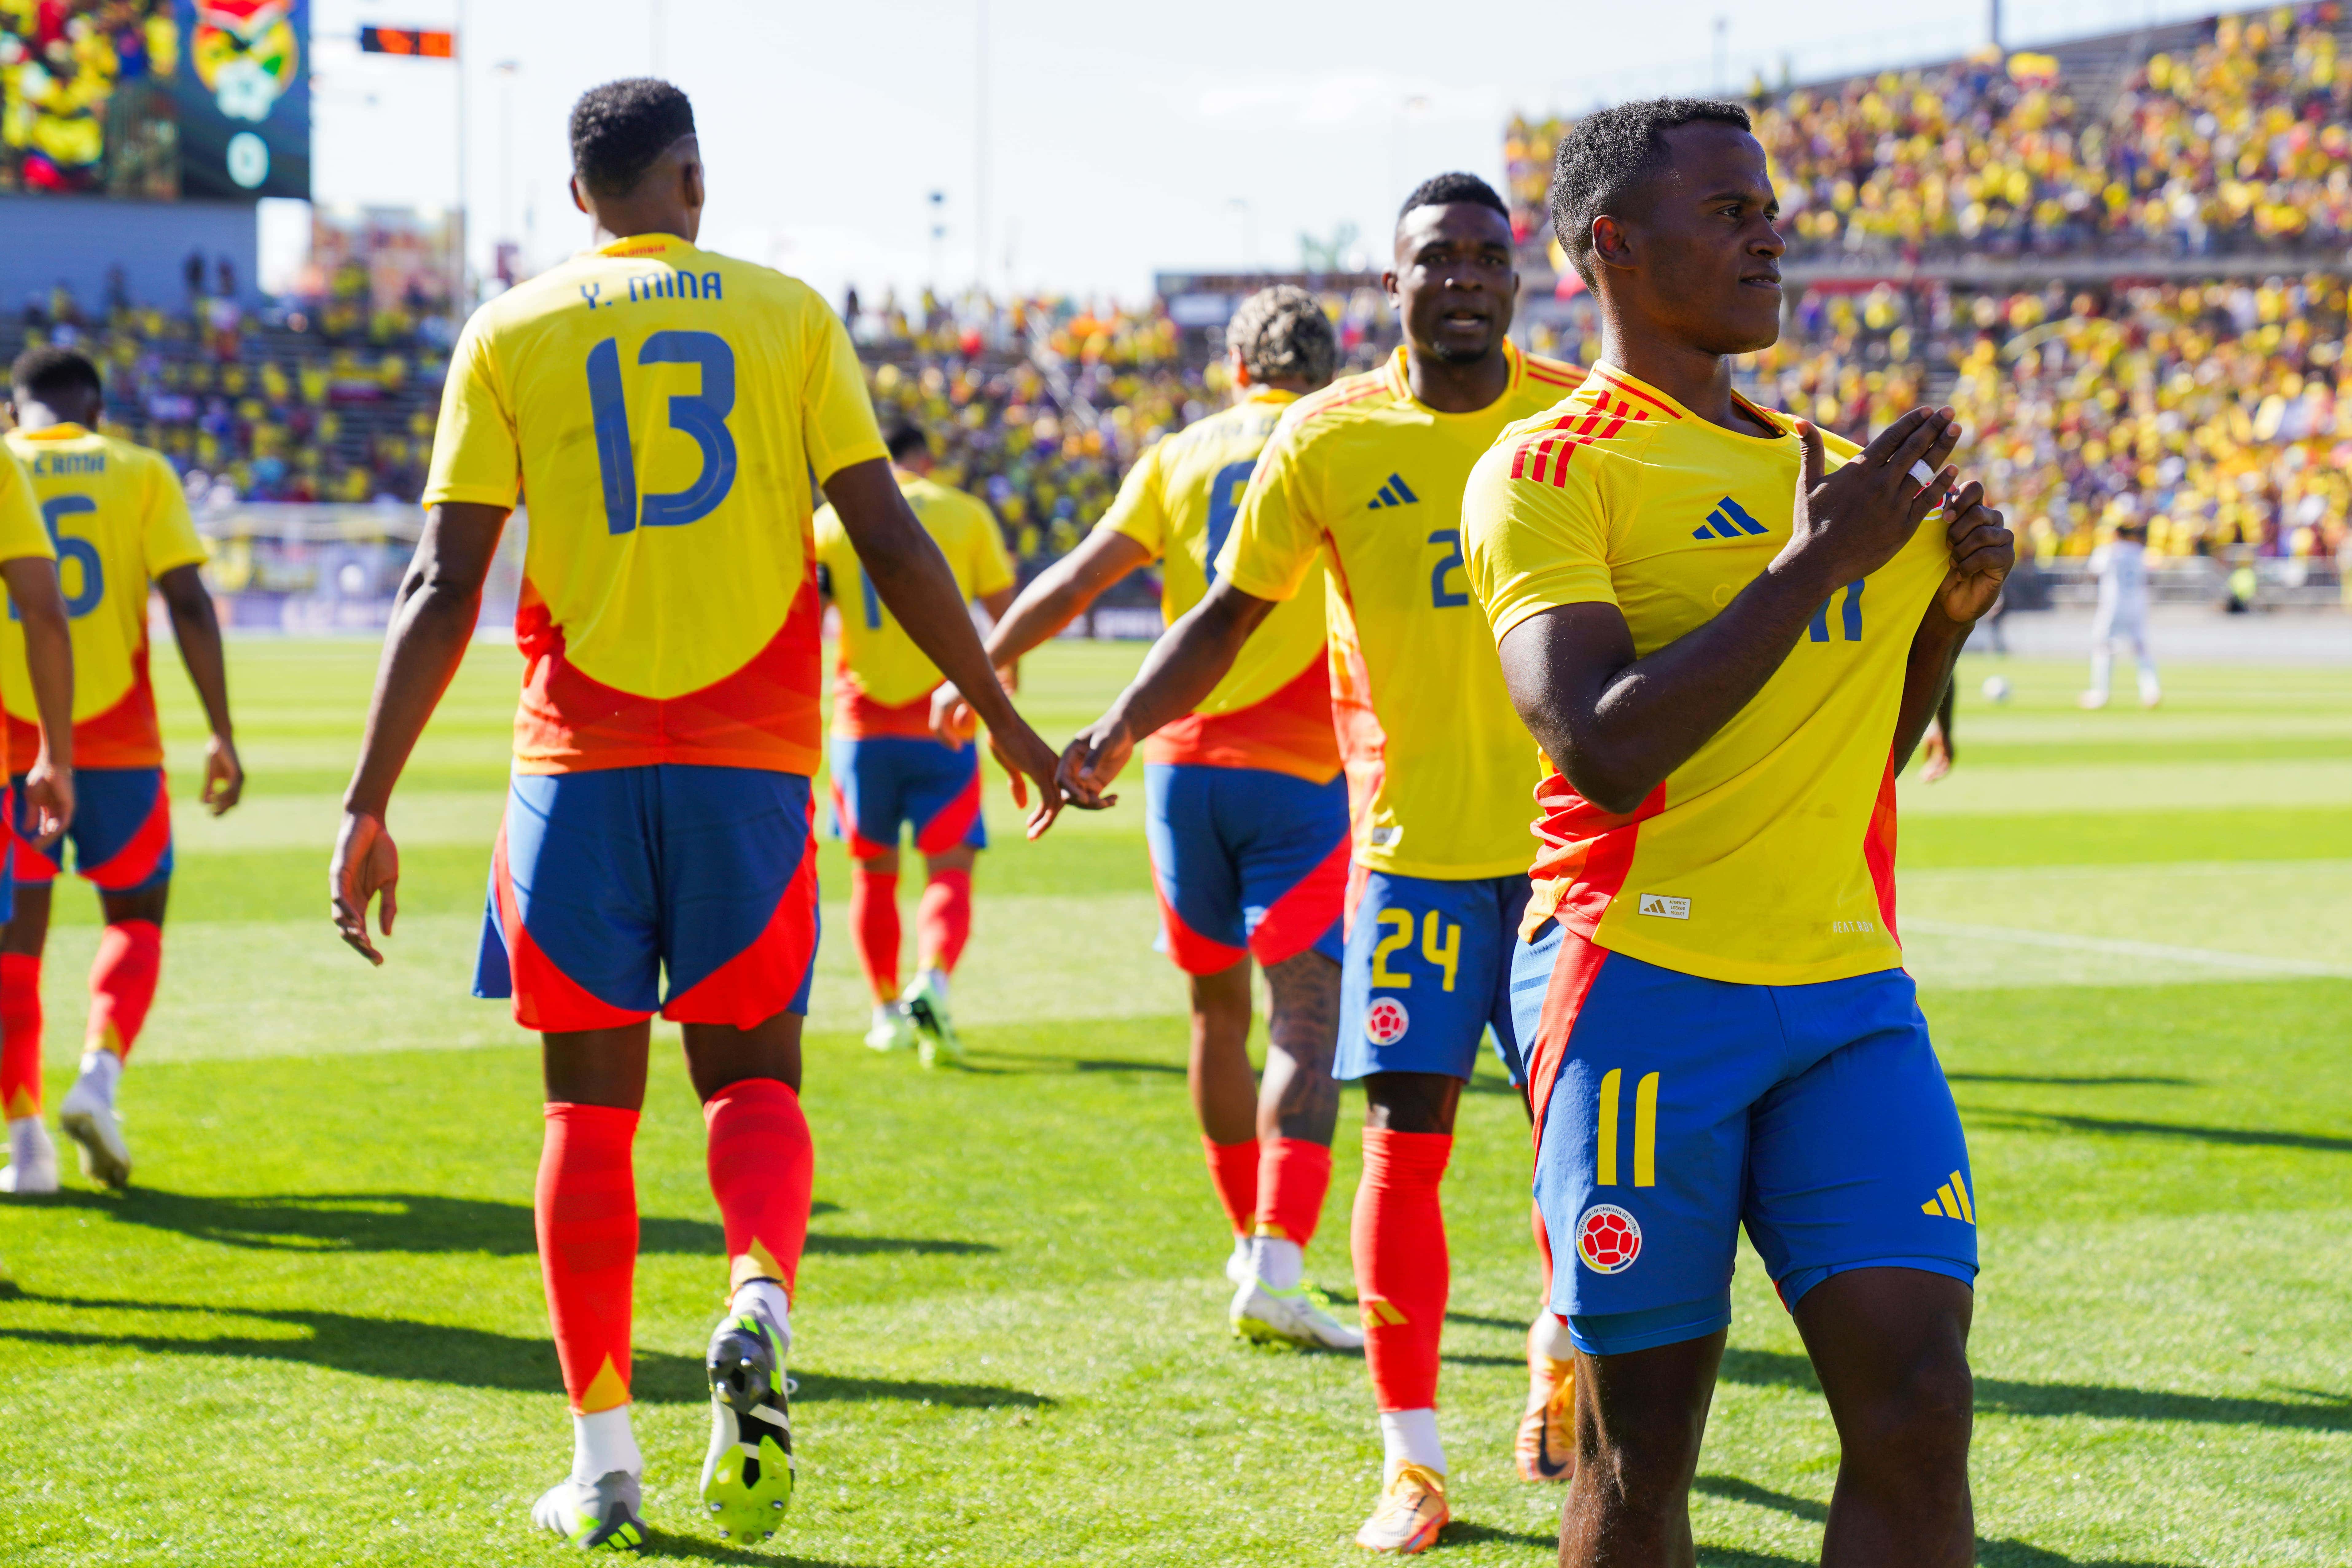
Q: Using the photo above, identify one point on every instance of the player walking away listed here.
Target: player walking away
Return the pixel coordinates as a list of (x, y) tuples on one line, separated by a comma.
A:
[(42, 796), (1247, 819), (2122, 616), (116, 514), (1729, 656), (1364, 477), (666, 409), (889, 771)]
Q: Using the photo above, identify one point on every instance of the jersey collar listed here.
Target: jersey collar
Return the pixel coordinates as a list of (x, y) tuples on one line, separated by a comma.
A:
[(1276, 395), (1626, 384), (68, 431), (1401, 384), (641, 245)]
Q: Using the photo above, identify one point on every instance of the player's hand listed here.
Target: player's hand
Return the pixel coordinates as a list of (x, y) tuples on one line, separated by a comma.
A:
[(1026, 758), (48, 799), (1983, 553), (224, 775), (366, 863), (953, 720), (1848, 524), (1092, 760)]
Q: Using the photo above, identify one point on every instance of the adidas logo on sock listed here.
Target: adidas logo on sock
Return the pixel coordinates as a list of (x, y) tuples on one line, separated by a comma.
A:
[(1394, 493)]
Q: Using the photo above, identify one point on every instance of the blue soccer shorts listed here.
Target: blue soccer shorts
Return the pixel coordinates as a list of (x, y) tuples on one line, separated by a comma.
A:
[(1247, 861), (602, 882), (884, 783), (121, 832), (1428, 970), (1672, 1109)]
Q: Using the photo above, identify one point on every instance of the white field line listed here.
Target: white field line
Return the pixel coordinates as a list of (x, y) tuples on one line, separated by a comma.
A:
[(2120, 947), (2096, 872)]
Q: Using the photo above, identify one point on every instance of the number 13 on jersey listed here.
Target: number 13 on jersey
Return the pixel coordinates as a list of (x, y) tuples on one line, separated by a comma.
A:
[(700, 415)]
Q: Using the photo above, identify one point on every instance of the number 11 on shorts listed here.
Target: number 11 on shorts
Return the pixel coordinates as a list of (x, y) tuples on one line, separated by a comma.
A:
[(1645, 1132)]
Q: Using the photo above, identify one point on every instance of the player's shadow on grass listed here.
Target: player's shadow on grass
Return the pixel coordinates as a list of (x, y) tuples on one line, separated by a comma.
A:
[(425, 1222), (402, 1350), (2010, 1120), (1989, 1553), (2001, 1397), (661, 1543)]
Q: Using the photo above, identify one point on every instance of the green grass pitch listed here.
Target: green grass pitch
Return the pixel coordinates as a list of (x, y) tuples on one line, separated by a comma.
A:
[(312, 1331)]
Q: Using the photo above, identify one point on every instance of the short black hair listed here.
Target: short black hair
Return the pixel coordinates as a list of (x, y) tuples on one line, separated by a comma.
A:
[(1283, 331), (619, 129), (1445, 190), (1608, 152), (904, 438), (51, 373)]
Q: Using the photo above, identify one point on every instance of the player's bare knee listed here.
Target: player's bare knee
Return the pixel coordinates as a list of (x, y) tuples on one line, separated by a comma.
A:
[(1916, 1425)]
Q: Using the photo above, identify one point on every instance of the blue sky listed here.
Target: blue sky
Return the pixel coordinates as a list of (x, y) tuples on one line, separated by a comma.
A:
[(1121, 139)]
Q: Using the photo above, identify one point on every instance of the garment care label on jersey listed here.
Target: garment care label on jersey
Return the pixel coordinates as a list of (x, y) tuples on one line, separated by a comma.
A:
[(1670, 908)]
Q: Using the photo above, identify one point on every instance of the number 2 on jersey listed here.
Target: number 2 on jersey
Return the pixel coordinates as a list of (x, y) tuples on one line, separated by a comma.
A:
[(1224, 505), (1440, 595), (700, 415)]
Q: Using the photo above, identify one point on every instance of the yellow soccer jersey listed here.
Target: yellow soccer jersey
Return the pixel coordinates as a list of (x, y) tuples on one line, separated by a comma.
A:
[(1273, 709), (21, 535), (1768, 857), (119, 521), (667, 411), (882, 681), (1368, 479)]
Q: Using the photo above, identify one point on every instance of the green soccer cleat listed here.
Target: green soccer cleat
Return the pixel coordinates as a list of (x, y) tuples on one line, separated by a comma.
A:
[(926, 1002), (747, 1476), (601, 1515)]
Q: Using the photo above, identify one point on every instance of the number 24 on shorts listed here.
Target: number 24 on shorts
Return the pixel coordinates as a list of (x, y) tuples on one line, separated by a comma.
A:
[(1446, 953), (700, 415)]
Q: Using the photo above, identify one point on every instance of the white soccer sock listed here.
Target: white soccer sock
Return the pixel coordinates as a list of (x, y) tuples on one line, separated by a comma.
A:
[(1279, 1265), (2102, 664), (28, 1143), (1410, 1438), (885, 1014), (766, 1296), (101, 1072), (1548, 1337), (602, 1443)]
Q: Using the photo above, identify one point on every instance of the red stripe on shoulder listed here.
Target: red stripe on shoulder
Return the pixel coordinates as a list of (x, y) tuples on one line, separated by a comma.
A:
[(1607, 379), (1340, 397)]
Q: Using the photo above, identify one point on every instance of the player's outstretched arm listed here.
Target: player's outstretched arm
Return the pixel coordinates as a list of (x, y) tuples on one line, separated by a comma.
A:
[(40, 605), (1983, 550), (1617, 725), (197, 629), (432, 622), (912, 577), (1054, 598), (1181, 669)]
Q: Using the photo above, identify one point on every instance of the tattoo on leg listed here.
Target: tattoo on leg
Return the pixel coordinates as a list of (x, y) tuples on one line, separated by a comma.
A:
[(1297, 1097)]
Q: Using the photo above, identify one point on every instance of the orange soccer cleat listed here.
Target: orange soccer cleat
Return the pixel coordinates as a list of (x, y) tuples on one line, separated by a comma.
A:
[(1545, 1448), (1411, 1513)]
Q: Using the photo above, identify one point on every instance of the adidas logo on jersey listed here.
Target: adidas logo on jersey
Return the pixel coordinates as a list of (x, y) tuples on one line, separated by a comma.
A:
[(1729, 522), (1951, 1202), (1394, 493)]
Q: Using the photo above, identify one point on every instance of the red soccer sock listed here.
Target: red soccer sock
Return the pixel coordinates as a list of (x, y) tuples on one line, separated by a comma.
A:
[(762, 1167), (1293, 1176), (20, 1034), (587, 1210), (123, 985), (1232, 1167), (874, 927), (1543, 1247), (944, 919), (1401, 1270)]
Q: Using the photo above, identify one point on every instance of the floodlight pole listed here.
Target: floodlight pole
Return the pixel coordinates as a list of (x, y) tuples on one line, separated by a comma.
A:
[(1993, 22)]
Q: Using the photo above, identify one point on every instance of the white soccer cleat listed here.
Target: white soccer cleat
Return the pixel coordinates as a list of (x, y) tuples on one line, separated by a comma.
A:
[(91, 1121), (892, 1030), (602, 1515), (1237, 1263), (924, 1001), (2092, 699), (1295, 1317), (32, 1158)]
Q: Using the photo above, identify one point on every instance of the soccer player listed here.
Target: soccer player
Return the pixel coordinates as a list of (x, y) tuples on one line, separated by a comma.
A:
[(889, 771), (2122, 616), (29, 569), (669, 411), (1247, 818), (1365, 478), (1728, 630), (119, 519)]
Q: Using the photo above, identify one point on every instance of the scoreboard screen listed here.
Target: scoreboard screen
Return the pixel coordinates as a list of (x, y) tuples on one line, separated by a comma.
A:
[(156, 100), (422, 41)]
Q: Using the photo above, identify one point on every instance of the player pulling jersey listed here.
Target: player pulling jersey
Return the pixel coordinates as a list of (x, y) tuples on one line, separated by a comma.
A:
[(1721, 1026), (890, 773)]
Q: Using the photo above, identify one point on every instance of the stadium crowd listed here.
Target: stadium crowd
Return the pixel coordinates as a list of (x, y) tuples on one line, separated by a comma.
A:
[(2237, 145)]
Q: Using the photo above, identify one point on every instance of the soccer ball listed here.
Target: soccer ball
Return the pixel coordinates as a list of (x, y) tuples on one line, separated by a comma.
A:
[(1996, 688)]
